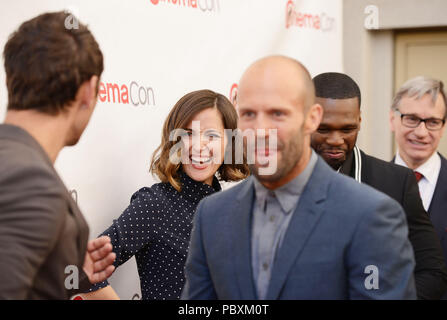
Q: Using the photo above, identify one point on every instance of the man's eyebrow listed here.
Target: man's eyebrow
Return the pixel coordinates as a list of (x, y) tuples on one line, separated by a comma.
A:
[(245, 108), (415, 115), (345, 125)]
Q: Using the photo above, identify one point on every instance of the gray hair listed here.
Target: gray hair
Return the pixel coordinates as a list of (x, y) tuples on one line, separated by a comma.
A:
[(418, 87)]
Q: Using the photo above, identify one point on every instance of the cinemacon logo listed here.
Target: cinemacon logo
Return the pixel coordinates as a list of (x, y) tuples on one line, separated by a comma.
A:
[(306, 20), (134, 94), (204, 5)]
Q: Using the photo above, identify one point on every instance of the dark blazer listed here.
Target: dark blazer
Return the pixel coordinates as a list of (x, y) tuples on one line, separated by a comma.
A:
[(400, 184), (338, 229), (42, 230), (438, 206)]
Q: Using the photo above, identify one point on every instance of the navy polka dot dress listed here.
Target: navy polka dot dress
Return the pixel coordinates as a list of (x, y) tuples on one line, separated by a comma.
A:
[(156, 228)]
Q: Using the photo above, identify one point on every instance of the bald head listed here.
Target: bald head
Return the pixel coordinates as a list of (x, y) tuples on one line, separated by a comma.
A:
[(275, 103), (281, 74)]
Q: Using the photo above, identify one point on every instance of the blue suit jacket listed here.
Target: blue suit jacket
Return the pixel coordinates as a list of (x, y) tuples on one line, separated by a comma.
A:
[(338, 229)]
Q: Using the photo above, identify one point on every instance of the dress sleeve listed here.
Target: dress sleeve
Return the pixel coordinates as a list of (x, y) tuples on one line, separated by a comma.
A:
[(135, 228)]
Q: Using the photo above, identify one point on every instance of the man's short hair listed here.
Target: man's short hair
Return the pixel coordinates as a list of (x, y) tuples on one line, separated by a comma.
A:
[(334, 85), (46, 63), (418, 87)]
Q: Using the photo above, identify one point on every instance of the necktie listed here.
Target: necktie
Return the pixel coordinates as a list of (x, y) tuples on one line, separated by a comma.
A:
[(418, 175)]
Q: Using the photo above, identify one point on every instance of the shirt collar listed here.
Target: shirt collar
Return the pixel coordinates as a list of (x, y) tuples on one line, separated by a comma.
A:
[(197, 190), (429, 169), (289, 193)]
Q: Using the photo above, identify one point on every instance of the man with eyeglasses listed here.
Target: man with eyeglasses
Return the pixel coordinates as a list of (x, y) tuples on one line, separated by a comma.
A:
[(417, 118), (335, 141)]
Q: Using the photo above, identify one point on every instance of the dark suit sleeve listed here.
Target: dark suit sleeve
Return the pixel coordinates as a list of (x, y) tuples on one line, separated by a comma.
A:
[(430, 271), (31, 221), (198, 285)]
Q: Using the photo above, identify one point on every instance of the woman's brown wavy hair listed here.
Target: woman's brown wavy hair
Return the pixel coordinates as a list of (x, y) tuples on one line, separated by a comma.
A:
[(179, 117)]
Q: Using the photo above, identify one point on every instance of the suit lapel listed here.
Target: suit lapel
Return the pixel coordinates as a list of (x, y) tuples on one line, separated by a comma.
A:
[(308, 212), (241, 240), (365, 167), (439, 200)]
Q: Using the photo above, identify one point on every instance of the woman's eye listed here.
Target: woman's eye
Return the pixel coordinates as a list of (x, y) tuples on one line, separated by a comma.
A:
[(186, 135), (213, 136)]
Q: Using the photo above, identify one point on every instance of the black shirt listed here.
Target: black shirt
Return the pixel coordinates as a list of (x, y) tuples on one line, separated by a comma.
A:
[(156, 228)]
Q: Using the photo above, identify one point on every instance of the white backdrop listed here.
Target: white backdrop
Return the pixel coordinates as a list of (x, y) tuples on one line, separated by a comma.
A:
[(168, 48)]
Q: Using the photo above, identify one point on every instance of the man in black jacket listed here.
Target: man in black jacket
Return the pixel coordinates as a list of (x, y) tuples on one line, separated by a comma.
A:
[(335, 141)]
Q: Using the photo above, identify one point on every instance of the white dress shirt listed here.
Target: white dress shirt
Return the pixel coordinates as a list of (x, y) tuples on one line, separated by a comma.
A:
[(430, 170)]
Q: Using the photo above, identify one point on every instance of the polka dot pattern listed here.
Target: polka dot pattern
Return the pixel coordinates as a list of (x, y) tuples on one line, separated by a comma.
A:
[(156, 229)]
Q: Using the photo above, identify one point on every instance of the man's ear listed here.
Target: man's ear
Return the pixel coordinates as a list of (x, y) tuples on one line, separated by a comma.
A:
[(392, 116), (360, 120), (93, 90), (89, 92), (314, 116)]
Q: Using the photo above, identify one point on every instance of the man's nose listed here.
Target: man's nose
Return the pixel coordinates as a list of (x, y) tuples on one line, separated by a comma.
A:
[(335, 139), (421, 130), (263, 122)]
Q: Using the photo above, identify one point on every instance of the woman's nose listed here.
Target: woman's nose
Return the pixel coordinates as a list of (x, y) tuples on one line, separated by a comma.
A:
[(199, 144)]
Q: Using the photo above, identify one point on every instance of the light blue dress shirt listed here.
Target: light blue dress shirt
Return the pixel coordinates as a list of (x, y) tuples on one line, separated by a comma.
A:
[(272, 212)]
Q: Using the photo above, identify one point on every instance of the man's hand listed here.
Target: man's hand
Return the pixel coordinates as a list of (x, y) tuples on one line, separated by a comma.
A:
[(98, 264)]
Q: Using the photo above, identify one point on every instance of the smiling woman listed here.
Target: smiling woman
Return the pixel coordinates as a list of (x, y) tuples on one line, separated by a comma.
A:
[(209, 114), (203, 150), (156, 226)]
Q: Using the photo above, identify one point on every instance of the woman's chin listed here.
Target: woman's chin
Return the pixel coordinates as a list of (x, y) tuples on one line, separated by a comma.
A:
[(200, 172)]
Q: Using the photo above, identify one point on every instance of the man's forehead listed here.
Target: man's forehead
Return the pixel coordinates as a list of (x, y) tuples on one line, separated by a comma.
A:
[(423, 104), (271, 85), (267, 105), (337, 103), (338, 122), (262, 107), (270, 95)]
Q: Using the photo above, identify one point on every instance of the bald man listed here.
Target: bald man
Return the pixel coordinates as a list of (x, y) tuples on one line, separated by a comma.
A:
[(295, 229)]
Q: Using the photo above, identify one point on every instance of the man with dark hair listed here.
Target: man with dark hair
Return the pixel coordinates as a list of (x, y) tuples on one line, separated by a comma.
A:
[(335, 141), (52, 76)]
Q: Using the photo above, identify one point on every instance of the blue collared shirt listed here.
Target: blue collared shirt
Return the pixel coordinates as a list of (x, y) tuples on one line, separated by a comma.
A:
[(272, 212)]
